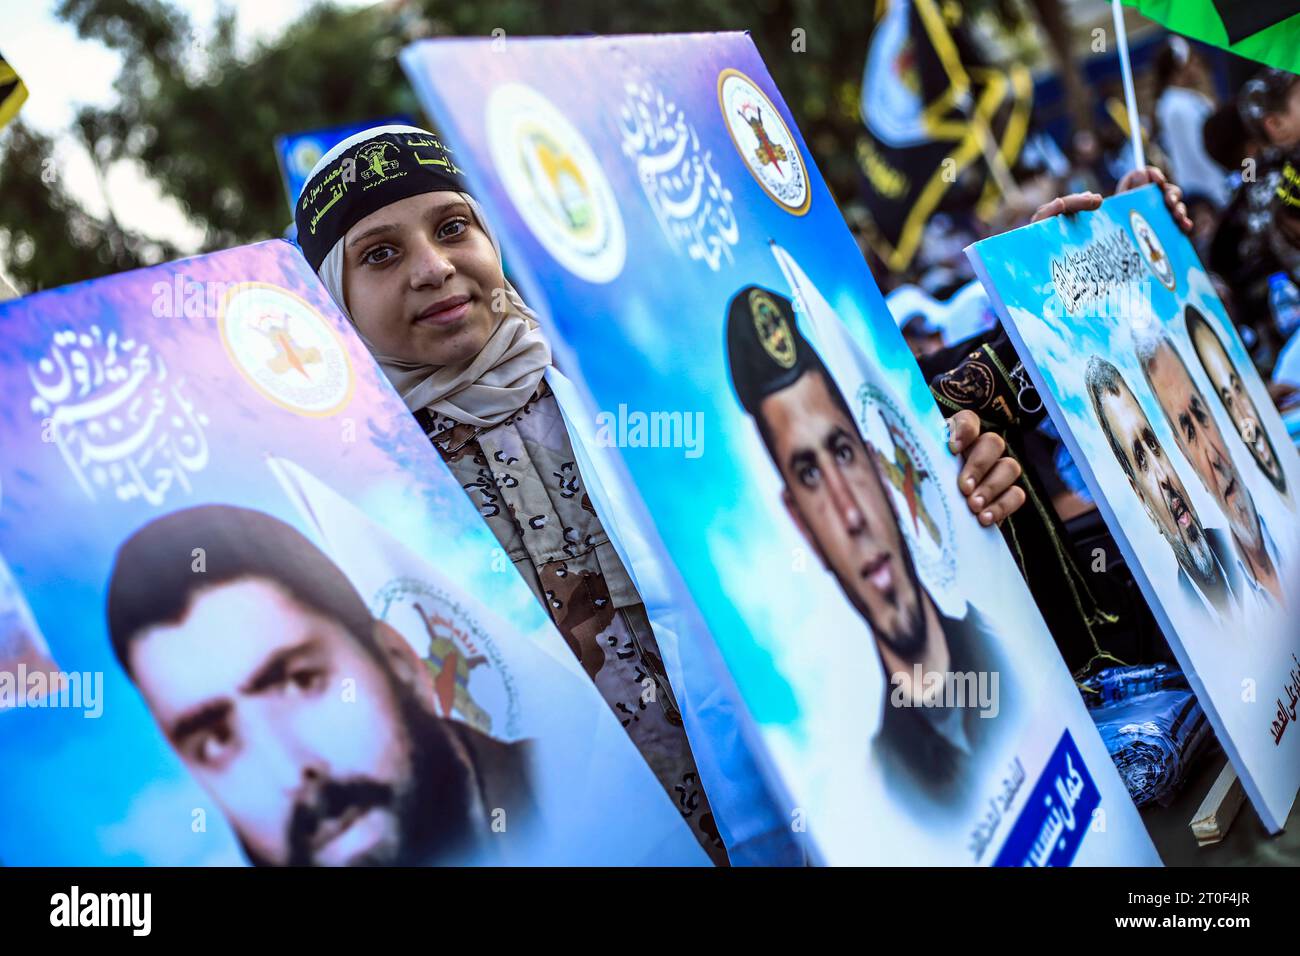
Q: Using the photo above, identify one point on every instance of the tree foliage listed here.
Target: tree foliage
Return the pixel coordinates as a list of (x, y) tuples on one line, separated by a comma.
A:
[(49, 239), (200, 113)]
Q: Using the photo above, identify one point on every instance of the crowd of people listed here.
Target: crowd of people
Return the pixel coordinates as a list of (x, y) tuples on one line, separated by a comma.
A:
[(1230, 167), (1229, 156)]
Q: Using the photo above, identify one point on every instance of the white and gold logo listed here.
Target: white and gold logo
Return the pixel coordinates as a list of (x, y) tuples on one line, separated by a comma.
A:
[(764, 142), (286, 349), (1153, 252), (556, 183), (304, 156), (471, 680)]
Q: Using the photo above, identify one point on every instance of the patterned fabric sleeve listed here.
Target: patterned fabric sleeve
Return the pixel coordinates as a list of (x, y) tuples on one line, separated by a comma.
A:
[(522, 476)]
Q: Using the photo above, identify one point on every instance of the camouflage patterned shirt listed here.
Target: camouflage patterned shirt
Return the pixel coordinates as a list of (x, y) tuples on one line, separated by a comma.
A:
[(523, 477)]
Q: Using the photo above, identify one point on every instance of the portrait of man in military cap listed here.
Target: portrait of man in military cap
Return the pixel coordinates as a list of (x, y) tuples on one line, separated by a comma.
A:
[(837, 498)]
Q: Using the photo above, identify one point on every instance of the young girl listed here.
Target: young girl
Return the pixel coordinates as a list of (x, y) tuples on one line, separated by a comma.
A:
[(408, 255)]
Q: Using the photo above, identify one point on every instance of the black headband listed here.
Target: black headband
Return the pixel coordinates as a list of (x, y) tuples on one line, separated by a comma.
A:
[(765, 349), (367, 176), (1286, 199)]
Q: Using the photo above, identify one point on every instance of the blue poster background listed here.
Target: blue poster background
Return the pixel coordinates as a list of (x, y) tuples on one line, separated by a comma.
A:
[(1242, 662), (630, 224), (124, 401)]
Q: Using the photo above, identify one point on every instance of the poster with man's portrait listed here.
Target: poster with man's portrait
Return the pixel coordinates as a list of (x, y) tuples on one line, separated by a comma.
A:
[(1163, 411), (248, 617), (772, 428)]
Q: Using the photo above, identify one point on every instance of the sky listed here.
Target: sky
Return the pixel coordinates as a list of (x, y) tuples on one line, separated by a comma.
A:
[(43, 49)]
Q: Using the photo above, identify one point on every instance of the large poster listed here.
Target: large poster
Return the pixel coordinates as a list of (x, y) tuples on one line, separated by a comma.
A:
[(666, 218), (1150, 386), (246, 615)]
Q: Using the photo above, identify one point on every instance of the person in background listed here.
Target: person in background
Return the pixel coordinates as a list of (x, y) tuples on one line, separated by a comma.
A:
[(923, 337), (1284, 237), (1229, 141), (1270, 108), (1204, 214), (1242, 250), (1084, 175), (1180, 114), (1284, 291)]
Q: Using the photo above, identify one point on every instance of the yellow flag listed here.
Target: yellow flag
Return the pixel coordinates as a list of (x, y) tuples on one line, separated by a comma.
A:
[(12, 92)]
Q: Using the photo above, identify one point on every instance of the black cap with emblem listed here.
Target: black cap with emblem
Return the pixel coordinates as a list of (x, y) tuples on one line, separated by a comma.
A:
[(365, 174), (764, 346)]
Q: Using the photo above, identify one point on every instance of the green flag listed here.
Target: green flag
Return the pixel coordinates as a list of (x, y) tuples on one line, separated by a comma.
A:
[(1264, 30)]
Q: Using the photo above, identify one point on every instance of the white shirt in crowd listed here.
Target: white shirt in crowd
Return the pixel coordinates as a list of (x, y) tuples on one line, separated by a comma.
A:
[(1181, 114)]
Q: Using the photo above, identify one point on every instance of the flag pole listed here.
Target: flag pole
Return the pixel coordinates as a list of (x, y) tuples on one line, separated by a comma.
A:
[(1006, 183), (1130, 95)]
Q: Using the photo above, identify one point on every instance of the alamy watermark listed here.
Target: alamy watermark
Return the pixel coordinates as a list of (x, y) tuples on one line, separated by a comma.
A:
[(936, 688), (64, 690), (192, 299), (637, 429), (133, 911)]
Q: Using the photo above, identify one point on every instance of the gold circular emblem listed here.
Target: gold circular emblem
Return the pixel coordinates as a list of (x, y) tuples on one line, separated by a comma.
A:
[(764, 142), (286, 349), (772, 327)]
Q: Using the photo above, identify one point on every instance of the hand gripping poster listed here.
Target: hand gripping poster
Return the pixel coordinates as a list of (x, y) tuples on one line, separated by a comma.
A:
[(247, 616), (729, 346), (1151, 388)]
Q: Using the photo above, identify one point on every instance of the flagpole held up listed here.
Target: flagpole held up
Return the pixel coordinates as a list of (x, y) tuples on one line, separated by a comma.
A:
[(1130, 95)]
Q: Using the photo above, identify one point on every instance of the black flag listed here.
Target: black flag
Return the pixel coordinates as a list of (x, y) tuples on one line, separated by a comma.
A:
[(927, 99), (1242, 18)]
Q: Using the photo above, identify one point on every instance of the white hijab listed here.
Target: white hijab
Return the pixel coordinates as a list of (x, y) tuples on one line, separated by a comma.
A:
[(486, 388)]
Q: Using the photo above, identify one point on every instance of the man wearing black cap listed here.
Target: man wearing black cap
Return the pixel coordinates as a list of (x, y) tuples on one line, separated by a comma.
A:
[(836, 497)]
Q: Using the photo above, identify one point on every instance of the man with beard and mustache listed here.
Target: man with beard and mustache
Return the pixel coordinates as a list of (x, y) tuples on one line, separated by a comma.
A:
[(837, 498), (1198, 436), (1231, 389), (311, 724), (1201, 552)]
